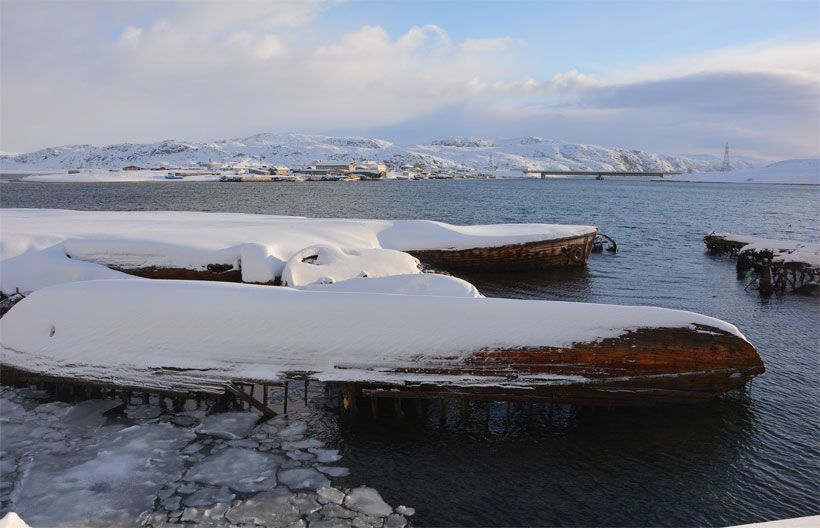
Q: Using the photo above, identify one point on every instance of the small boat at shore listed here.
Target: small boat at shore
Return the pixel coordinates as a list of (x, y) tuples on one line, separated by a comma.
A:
[(173, 176)]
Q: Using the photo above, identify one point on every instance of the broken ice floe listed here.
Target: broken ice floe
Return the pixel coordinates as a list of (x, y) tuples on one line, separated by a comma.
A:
[(64, 465)]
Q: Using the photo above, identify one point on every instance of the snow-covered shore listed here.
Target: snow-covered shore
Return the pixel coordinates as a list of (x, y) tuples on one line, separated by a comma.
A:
[(795, 172), (107, 176)]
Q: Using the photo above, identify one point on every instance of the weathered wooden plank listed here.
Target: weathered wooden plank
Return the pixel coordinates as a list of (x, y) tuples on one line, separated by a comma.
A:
[(250, 400)]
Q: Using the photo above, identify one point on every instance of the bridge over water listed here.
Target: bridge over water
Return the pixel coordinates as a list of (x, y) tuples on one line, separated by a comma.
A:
[(602, 174)]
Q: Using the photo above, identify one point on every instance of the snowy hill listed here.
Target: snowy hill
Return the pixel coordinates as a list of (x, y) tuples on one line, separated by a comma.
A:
[(297, 150), (796, 171)]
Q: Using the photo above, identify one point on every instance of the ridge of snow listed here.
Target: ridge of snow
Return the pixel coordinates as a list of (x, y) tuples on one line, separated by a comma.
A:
[(297, 150)]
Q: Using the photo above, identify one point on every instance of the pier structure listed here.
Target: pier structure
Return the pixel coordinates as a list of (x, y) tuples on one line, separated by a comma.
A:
[(354, 400), (779, 265)]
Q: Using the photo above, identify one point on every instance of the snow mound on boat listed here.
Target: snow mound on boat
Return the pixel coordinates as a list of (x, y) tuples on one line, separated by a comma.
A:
[(125, 328), (415, 284), (42, 247), (327, 265)]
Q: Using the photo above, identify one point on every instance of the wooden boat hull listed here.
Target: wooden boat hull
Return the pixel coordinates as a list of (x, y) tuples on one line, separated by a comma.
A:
[(555, 253), (648, 367), (199, 335)]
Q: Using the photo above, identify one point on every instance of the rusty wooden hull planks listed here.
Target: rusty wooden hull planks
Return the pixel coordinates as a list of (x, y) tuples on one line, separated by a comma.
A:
[(647, 367), (555, 253), (213, 272), (642, 368)]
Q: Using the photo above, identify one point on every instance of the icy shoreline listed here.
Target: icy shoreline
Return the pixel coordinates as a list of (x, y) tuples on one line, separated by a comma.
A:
[(137, 464)]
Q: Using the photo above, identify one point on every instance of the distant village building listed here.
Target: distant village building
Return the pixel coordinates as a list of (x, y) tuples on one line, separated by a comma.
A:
[(259, 172), (280, 170), (315, 171), (336, 167), (372, 170), (131, 168)]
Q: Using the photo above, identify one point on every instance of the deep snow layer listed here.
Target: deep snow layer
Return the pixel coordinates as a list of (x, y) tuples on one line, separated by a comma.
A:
[(40, 247), (298, 150), (120, 329)]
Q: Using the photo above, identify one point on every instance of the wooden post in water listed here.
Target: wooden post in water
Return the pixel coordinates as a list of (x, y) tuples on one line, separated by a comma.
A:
[(306, 392), (765, 286), (347, 401)]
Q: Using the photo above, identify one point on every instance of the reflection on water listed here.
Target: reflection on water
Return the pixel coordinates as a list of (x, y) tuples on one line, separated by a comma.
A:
[(561, 284), (751, 456), (574, 467)]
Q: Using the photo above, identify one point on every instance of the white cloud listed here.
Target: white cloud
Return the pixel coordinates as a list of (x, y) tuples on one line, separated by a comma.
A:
[(571, 83), (800, 60), (212, 69)]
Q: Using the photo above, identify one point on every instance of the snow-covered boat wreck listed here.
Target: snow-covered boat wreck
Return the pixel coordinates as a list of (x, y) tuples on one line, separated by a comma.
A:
[(373, 323)]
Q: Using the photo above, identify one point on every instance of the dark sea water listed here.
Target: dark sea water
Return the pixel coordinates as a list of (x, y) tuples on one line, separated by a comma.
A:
[(751, 456)]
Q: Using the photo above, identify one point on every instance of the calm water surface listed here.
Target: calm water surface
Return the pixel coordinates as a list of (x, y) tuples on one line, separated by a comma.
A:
[(751, 456)]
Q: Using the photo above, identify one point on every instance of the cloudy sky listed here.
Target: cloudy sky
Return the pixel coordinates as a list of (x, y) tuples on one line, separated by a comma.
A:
[(668, 77)]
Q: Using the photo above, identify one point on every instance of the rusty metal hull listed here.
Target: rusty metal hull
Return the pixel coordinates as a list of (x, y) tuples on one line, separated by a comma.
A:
[(649, 367), (555, 253)]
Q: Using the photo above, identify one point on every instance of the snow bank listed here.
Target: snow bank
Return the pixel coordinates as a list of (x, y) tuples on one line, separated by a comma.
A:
[(12, 520), (416, 284), (798, 171), (40, 247), (797, 522), (125, 328)]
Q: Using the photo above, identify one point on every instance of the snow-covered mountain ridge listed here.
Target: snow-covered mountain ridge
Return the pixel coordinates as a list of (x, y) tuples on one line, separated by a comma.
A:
[(298, 150)]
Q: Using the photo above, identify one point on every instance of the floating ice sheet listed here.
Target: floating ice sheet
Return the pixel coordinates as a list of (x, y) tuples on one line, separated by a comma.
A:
[(241, 469)]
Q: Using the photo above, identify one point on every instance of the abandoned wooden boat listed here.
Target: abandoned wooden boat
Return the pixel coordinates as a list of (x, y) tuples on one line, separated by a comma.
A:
[(540, 254), (197, 336)]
